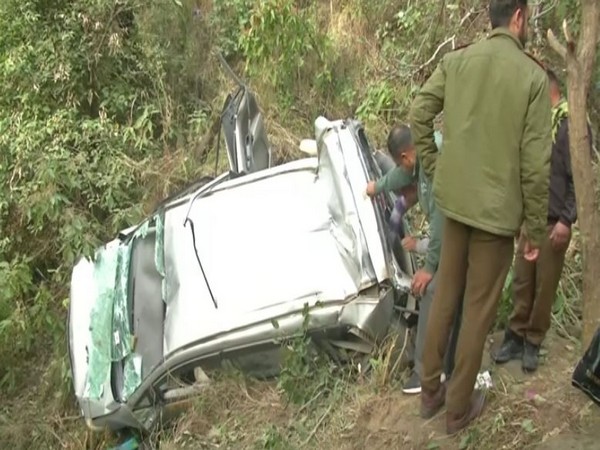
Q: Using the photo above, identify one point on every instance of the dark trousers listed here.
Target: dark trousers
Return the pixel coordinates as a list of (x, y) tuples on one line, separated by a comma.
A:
[(534, 290), (474, 263)]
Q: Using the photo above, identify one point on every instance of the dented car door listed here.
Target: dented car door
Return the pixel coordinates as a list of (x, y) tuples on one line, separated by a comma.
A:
[(248, 147)]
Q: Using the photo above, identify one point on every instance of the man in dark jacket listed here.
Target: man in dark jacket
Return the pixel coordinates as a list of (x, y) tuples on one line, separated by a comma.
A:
[(491, 179), (535, 283)]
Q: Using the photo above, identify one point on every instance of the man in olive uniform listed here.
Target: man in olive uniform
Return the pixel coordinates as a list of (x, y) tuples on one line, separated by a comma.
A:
[(491, 178), (535, 283), (408, 172)]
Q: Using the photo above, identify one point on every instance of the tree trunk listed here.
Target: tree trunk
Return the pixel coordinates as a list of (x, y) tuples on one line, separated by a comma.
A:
[(580, 66), (587, 208)]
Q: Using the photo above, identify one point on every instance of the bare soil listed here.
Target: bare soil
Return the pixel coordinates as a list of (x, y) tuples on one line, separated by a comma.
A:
[(541, 411)]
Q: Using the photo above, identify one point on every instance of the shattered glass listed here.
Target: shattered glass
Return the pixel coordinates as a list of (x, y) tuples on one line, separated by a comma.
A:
[(142, 231), (112, 340), (132, 374), (121, 333), (159, 251), (101, 321), (122, 337)]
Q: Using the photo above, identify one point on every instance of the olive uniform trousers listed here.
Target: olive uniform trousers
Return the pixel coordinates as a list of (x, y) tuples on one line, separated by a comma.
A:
[(534, 290), (474, 263)]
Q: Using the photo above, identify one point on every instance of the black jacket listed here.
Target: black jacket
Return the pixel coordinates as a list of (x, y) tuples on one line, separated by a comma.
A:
[(561, 201)]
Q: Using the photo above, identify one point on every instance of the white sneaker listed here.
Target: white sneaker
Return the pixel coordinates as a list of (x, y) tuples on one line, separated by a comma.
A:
[(442, 377), (412, 385)]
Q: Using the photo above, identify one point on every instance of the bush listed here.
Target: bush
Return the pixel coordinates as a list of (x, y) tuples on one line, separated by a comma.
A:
[(88, 121)]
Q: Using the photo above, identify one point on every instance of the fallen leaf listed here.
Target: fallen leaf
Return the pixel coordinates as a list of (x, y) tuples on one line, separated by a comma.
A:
[(527, 425)]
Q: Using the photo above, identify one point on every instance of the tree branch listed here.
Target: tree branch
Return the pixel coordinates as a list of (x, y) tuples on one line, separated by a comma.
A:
[(466, 17), (556, 45), (541, 13), (451, 39), (568, 38)]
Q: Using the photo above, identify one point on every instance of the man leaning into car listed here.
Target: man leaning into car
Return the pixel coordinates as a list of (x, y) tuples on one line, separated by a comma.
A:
[(408, 171)]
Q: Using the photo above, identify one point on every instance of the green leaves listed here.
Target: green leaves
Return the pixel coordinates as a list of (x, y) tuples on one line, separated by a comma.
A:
[(85, 114), (378, 100), (280, 32)]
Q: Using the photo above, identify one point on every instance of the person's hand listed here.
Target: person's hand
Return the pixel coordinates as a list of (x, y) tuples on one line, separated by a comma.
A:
[(409, 243), (560, 235), (371, 189), (420, 281), (530, 253)]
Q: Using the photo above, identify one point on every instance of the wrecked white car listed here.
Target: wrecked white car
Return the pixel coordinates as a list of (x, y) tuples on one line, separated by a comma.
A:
[(227, 269)]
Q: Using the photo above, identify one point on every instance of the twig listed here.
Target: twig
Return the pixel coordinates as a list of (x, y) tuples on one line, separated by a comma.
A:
[(545, 11), (537, 31), (556, 45), (386, 373), (397, 363), (68, 418), (438, 21), (434, 22), (208, 140), (565, 29), (303, 407), (466, 16), (61, 442), (503, 385), (314, 430), (442, 45), (113, 15), (244, 389)]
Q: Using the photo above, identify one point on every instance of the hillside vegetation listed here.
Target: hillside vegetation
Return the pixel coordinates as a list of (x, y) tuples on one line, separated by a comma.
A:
[(107, 106)]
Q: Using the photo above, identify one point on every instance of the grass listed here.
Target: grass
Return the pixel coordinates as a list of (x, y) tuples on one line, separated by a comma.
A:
[(358, 412), (339, 408)]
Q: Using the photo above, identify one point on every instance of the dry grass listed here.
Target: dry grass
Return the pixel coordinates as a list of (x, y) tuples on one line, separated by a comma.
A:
[(27, 424), (522, 411), (391, 358)]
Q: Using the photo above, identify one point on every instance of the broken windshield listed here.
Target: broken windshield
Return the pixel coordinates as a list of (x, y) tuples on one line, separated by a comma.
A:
[(129, 309)]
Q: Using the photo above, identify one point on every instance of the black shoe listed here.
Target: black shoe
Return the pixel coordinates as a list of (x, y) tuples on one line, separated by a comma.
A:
[(511, 348), (530, 357)]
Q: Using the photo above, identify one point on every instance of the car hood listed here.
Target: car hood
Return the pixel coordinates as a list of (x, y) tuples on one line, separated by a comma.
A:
[(264, 245)]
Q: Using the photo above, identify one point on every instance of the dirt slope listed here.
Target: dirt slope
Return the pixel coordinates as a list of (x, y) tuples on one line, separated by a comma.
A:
[(540, 410)]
